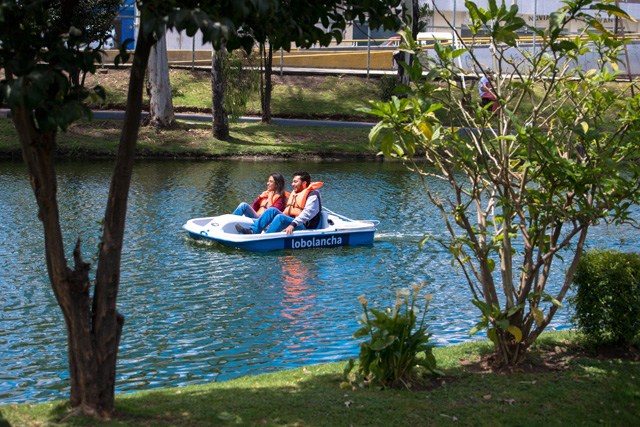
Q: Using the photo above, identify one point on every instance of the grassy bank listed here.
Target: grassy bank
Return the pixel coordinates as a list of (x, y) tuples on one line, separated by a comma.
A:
[(310, 97), (316, 97), (99, 138), (329, 98), (563, 385)]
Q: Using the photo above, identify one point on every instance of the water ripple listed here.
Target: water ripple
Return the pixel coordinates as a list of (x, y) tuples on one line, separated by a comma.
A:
[(197, 311)]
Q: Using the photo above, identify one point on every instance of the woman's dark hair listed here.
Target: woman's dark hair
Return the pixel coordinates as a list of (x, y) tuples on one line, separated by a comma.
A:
[(279, 180), (304, 176)]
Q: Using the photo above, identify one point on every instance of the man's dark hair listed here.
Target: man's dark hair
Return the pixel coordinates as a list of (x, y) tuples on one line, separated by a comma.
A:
[(304, 176)]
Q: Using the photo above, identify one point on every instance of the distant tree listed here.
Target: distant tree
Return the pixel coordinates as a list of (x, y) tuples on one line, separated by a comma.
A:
[(161, 115), (242, 77), (234, 79), (220, 117), (305, 23), (94, 18), (414, 13)]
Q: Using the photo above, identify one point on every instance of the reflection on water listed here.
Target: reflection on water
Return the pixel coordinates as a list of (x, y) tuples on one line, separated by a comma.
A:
[(198, 311)]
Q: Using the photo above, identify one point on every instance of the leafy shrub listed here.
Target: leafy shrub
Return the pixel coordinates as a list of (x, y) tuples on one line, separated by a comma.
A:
[(386, 85), (607, 299), (395, 346)]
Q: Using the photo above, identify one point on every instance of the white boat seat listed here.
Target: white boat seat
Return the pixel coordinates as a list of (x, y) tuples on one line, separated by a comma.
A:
[(324, 220)]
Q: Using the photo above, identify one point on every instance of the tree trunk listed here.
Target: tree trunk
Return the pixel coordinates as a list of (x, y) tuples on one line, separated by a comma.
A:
[(220, 116), (93, 330), (413, 8), (159, 88), (265, 83)]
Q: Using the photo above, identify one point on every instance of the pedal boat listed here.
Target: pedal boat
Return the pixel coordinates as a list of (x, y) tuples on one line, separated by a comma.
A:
[(334, 230)]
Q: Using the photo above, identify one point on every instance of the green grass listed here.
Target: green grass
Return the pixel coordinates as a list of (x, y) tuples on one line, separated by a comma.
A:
[(317, 97), (581, 390), (99, 138)]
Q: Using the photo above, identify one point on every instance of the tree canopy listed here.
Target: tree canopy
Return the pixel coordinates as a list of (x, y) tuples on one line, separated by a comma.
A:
[(557, 156)]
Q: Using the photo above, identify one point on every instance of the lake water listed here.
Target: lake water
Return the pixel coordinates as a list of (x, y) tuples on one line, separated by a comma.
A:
[(198, 312)]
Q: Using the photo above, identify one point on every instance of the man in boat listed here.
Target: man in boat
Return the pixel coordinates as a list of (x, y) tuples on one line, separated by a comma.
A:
[(302, 211)]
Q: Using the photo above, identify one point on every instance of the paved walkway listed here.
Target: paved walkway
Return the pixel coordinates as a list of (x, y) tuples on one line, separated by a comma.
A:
[(119, 115)]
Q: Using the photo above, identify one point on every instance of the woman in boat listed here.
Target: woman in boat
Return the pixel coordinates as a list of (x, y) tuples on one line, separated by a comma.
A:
[(274, 196)]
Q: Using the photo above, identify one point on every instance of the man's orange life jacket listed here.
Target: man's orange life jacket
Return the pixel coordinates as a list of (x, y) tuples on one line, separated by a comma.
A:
[(267, 200), (296, 201)]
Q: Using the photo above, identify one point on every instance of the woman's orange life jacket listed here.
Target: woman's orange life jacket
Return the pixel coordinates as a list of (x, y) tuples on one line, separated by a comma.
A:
[(296, 201), (267, 200)]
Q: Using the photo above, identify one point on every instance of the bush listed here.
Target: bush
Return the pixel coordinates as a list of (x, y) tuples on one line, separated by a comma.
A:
[(387, 84), (395, 346), (607, 299)]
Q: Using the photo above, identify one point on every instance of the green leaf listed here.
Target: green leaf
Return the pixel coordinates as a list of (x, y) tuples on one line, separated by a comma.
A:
[(423, 240), (474, 12), (503, 324), (347, 370), (556, 22), (387, 144), (382, 343), (614, 10), (483, 306), (492, 335), (598, 26), (362, 332)]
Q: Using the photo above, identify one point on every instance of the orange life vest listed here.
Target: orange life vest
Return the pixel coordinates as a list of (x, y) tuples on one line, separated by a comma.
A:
[(267, 200), (296, 201)]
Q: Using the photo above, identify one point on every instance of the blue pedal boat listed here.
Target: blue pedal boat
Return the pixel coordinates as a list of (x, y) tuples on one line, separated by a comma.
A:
[(334, 230)]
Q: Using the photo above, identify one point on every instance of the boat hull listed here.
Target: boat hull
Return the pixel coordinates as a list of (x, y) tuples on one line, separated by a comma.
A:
[(335, 232)]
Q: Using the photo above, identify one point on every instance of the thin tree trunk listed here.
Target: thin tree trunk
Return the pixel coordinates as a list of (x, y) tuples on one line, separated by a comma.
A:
[(220, 116), (161, 114), (265, 84), (70, 287), (93, 331), (107, 321)]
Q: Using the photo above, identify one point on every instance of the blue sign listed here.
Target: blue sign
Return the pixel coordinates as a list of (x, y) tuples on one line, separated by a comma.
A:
[(316, 242)]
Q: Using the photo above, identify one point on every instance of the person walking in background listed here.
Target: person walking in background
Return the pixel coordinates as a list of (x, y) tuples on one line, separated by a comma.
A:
[(486, 95)]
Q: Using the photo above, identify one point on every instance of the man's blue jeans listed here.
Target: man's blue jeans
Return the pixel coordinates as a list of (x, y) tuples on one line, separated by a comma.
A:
[(246, 210), (275, 220)]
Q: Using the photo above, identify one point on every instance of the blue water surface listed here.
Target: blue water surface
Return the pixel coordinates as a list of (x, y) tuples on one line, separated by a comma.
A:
[(198, 312)]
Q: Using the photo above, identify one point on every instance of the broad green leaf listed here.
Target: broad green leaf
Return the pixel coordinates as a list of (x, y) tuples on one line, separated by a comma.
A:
[(503, 324), (556, 20), (598, 26), (492, 335), (614, 10), (513, 310), (423, 241), (382, 343), (362, 332), (483, 306)]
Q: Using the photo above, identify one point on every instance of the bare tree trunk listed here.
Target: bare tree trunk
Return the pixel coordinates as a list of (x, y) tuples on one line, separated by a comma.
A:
[(265, 83), (161, 114), (93, 330), (220, 116), (413, 8)]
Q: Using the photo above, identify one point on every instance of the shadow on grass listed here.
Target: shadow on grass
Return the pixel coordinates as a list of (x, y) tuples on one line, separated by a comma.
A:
[(586, 391), (3, 422)]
